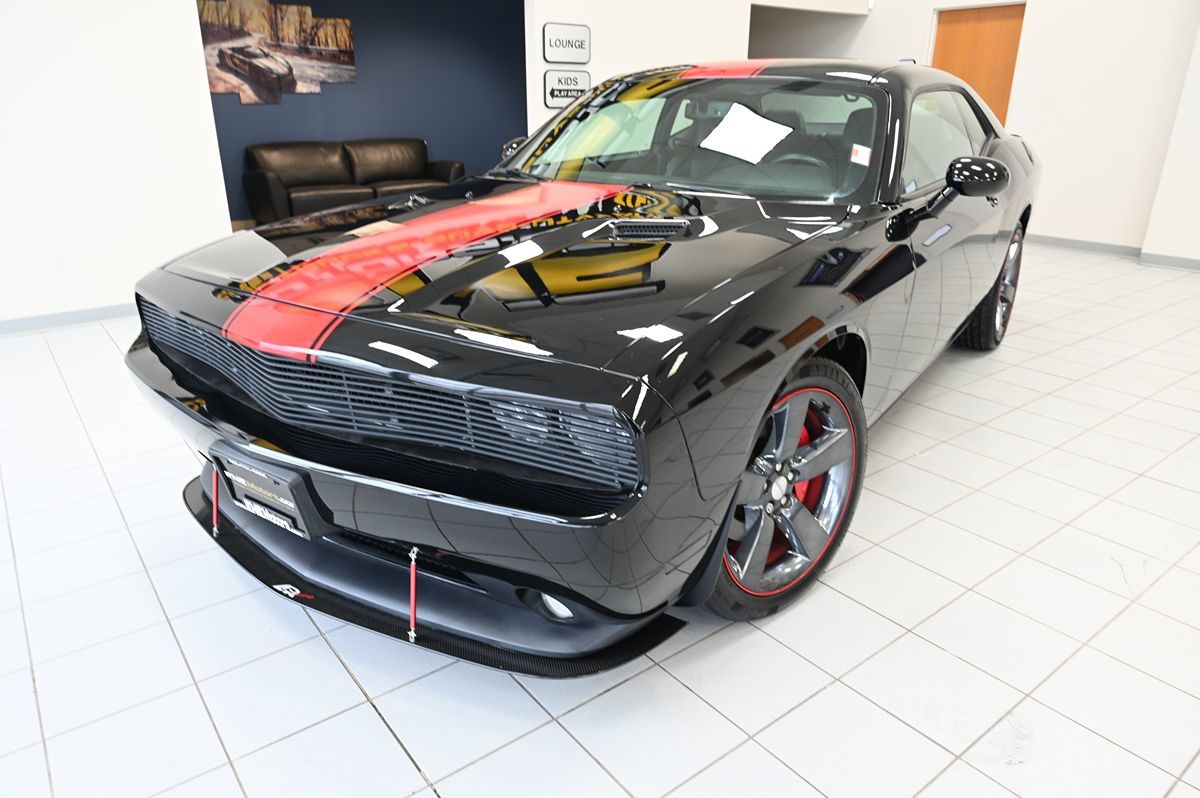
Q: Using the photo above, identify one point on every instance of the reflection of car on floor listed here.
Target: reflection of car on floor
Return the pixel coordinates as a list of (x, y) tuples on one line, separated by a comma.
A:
[(258, 66), (630, 368)]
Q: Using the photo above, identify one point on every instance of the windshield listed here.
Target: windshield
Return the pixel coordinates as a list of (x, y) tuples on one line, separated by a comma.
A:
[(759, 136)]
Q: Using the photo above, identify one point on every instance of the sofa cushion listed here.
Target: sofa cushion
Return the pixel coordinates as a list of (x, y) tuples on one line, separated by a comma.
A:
[(302, 163), (374, 160), (385, 187), (306, 199)]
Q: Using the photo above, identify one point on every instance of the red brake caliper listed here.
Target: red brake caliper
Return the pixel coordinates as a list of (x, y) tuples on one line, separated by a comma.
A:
[(809, 492), (802, 487)]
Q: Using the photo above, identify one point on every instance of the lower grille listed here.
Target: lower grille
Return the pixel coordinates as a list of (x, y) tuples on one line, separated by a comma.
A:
[(580, 444)]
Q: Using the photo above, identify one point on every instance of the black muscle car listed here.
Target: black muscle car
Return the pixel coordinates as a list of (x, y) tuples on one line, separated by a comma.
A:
[(259, 66), (518, 417)]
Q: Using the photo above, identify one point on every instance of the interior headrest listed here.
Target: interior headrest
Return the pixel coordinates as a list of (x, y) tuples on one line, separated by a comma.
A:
[(793, 119), (859, 127)]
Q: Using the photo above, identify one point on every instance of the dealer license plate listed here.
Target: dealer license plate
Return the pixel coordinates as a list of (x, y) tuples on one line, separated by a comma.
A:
[(267, 514), (267, 495)]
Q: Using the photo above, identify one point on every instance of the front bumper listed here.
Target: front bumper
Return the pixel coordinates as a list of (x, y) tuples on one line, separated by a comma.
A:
[(451, 620), (480, 565)]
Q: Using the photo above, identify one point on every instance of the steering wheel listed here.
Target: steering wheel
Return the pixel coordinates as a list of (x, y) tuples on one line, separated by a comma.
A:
[(788, 157)]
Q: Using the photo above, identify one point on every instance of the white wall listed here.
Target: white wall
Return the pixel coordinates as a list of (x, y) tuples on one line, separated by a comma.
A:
[(1173, 232), (110, 149), (628, 35), (1095, 92)]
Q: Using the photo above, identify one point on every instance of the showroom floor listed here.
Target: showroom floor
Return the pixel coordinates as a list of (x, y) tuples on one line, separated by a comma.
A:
[(1018, 605)]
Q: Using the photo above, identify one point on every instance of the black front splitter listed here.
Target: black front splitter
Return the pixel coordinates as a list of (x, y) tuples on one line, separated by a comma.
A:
[(271, 572)]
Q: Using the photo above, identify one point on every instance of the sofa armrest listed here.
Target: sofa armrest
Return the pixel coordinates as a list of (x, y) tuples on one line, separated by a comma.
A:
[(266, 195), (447, 171)]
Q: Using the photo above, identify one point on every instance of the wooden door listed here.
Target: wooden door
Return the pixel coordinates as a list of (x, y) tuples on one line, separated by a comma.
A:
[(979, 45)]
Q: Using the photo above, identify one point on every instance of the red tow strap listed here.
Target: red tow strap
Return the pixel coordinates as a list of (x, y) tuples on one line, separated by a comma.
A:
[(216, 515), (412, 596)]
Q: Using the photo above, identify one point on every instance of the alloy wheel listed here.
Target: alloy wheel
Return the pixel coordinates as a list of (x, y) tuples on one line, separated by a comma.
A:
[(1008, 282), (794, 493)]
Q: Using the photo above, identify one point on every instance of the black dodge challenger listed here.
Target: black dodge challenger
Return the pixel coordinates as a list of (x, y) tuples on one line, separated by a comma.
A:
[(517, 418)]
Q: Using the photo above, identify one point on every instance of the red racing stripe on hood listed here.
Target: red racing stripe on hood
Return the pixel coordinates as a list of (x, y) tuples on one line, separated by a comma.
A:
[(729, 69), (290, 314)]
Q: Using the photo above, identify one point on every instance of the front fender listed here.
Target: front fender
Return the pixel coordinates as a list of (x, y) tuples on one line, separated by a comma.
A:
[(738, 346)]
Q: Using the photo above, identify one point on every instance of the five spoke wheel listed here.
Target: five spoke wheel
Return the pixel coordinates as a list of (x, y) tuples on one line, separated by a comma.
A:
[(794, 494)]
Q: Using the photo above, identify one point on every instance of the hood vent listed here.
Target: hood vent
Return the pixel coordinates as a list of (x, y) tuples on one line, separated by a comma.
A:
[(649, 230)]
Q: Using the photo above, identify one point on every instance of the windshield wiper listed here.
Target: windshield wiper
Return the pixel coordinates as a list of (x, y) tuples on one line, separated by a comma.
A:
[(512, 171), (686, 187)]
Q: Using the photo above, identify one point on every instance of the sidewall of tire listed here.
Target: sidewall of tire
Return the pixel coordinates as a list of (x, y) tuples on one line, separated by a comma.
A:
[(729, 599)]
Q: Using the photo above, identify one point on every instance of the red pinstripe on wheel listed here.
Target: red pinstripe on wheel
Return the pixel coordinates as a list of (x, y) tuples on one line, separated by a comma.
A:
[(295, 312), (833, 532)]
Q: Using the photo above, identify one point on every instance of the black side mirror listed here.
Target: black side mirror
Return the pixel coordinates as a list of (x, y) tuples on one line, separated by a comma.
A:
[(512, 145), (977, 176), (972, 176)]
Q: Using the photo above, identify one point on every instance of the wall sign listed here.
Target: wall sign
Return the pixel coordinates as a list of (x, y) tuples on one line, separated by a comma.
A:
[(566, 44), (564, 85)]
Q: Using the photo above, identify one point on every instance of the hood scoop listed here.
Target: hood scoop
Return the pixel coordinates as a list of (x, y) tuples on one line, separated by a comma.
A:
[(646, 229)]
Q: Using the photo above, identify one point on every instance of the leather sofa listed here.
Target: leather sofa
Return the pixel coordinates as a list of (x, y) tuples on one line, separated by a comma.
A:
[(297, 177)]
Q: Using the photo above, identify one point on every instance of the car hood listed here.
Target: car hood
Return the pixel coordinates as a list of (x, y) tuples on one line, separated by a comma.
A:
[(273, 64), (562, 270)]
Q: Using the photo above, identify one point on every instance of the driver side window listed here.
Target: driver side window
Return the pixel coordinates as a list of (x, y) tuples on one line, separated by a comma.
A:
[(936, 136)]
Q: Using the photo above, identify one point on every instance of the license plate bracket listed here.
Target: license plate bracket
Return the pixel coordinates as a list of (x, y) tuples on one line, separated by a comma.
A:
[(263, 492)]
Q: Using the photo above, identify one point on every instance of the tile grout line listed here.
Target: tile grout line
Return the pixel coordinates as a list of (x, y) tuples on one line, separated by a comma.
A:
[(557, 720), (972, 590), (188, 780), (911, 630), (37, 702), (1179, 779), (154, 588), (1085, 644), (1017, 555), (370, 701), (1028, 695), (751, 737)]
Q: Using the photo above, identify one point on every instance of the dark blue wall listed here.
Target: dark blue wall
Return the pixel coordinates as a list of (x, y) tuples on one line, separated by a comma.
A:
[(449, 71)]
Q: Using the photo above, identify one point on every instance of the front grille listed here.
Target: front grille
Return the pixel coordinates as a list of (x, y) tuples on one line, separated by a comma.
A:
[(582, 444)]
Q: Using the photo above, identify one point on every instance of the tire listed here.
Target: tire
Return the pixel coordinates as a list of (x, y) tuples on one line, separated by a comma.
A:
[(988, 323), (797, 497)]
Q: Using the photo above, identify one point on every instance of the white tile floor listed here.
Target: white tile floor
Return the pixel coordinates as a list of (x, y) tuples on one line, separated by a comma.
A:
[(1017, 607)]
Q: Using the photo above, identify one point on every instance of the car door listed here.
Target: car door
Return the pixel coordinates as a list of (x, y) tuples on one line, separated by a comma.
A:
[(952, 251)]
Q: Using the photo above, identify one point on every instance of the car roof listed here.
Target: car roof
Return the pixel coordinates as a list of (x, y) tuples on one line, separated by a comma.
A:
[(911, 76)]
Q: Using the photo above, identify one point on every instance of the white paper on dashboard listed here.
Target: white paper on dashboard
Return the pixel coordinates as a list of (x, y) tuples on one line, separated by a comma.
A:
[(745, 135)]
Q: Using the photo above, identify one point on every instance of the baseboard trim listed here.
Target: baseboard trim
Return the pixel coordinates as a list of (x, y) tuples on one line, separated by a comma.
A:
[(1091, 246), (1173, 261), (52, 320)]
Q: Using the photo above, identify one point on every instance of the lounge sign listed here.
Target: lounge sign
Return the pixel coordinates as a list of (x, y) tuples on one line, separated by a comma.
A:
[(564, 85), (566, 44)]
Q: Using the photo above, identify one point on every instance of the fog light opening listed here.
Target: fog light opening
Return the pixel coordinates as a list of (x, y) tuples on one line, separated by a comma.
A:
[(556, 608)]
